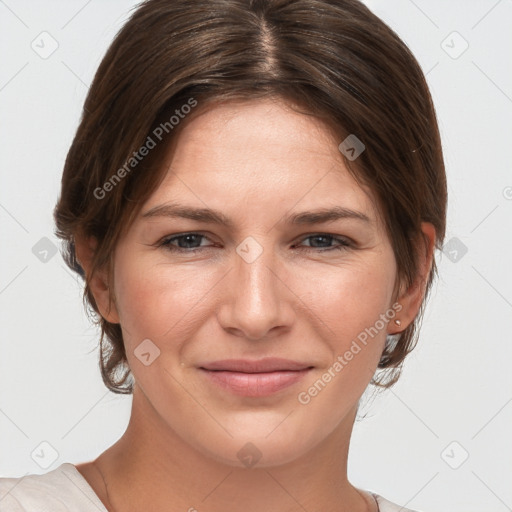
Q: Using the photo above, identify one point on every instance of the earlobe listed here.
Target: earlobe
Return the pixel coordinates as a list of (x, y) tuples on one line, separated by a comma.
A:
[(411, 299), (85, 249)]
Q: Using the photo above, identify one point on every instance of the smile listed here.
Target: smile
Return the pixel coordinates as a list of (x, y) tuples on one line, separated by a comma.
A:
[(255, 378)]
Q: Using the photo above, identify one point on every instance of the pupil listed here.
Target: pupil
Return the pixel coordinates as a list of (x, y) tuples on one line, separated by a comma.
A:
[(187, 239), (324, 238)]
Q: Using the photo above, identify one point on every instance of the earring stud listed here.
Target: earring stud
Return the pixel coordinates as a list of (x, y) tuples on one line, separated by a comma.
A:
[(398, 322)]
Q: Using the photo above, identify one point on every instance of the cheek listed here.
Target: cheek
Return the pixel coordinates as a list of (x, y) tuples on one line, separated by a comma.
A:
[(154, 300), (349, 304), (351, 298)]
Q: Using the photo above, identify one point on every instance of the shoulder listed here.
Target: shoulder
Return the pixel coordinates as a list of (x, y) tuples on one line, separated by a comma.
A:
[(60, 490), (388, 506)]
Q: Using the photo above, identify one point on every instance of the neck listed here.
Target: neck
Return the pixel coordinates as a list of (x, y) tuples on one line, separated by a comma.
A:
[(151, 467)]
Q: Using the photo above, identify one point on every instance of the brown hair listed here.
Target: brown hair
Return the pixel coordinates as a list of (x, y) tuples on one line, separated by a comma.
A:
[(334, 58)]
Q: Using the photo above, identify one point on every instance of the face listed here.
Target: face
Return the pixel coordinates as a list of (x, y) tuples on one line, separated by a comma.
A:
[(209, 301)]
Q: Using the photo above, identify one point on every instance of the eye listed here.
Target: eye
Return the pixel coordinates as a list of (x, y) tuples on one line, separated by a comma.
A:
[(321, 241), (186, 242), (191, 242)]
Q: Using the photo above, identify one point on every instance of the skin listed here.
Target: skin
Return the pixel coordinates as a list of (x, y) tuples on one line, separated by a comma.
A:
[(255, 161)]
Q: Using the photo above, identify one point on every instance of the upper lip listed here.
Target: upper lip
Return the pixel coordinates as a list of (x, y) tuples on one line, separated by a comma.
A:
[(269, 364)]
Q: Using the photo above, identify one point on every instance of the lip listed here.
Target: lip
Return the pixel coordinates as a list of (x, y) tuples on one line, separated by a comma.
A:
[(267, 364), (255, 378)]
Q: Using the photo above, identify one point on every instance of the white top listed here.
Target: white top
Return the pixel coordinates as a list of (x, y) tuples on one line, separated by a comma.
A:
[(65, 489)]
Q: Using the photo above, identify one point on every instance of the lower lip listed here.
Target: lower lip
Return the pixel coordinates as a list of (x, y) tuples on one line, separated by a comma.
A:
[(255, 384)]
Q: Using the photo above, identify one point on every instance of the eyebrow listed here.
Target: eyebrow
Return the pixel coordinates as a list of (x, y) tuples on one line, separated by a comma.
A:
[(211, 216)]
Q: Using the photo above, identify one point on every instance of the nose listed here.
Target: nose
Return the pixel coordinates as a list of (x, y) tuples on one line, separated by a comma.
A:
[(256, 302)]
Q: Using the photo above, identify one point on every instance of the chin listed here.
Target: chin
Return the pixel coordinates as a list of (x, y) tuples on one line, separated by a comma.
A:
[(261, 444)]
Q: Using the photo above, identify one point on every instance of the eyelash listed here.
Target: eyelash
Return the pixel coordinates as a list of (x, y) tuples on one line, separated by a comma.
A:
[(166, 242)]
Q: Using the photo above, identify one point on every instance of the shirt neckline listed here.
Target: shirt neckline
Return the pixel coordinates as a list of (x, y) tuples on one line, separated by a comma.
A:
[(84, 486)]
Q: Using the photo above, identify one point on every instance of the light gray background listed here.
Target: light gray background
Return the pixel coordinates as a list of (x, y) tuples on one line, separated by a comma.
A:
[(457, 385)]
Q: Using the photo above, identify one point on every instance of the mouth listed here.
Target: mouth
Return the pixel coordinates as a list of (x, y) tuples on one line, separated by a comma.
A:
[(255, 378)]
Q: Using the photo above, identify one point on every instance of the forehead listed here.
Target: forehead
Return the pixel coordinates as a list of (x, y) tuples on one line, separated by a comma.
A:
[(261, 152), (267, 127)]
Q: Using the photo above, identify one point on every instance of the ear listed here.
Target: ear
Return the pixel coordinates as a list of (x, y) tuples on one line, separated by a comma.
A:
[(411, 299), (85, 248)]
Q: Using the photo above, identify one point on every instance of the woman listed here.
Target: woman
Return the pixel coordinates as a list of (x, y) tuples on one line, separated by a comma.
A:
[(253, 196)]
